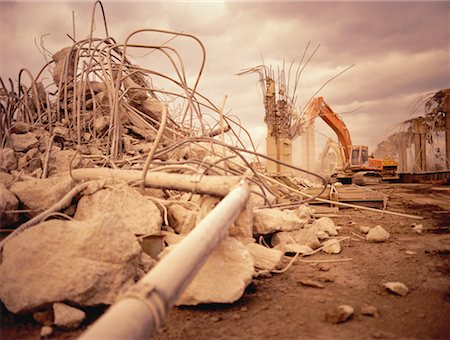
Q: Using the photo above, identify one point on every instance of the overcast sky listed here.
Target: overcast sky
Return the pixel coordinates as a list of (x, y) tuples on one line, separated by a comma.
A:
[(401, 50)]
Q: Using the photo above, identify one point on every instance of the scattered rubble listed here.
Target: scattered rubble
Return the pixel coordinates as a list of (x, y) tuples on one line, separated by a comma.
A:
[(268, 221), (397, 288)]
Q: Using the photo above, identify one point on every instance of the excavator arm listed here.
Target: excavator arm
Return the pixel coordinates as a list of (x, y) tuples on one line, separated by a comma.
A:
[(318, 107)]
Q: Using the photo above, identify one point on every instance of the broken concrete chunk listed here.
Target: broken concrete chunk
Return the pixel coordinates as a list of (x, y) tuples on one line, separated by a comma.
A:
[(377, 234), (63, 160), (223, 278), (398, 288), (304, 212), (64, 61), (21, 143), (181, 219), (310, 283), (8, 160), (265, 258), (364, 229), (339, 314), (301, 237), (40, 194), (325, 224), (332, 246), (267, 221), (418, 229), (6, 179), (321, 235), (46, 331), (8, 202), (370, 311), (86, 263), (128, 207), (67, 316)]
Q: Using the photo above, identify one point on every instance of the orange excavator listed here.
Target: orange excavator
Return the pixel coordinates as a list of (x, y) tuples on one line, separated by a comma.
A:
[(359, 167)]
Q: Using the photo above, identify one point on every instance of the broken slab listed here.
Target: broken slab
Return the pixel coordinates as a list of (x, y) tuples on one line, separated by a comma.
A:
[(8, 202), (82, 262), (265, 258), (67, 316), (300, 237), (126, 205), (267, 221), (24, 142), (377, 234), (40, 194), (223, 278)]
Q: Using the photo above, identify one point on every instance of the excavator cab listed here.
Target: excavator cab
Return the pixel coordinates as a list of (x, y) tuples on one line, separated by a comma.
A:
[(359, 155)]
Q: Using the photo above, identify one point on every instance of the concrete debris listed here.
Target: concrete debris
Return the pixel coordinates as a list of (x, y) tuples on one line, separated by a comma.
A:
[(370, 311), (8, 203), (265, 258), (181, 219), (300, 237), (8, 160), (310, 283), (325, 224), (364, 229), (411, 252), (377, 234), (44, 317), (331, 246), (267, 221), (40, 194), (223, 278), (418, 229), (6, 179), (46, 331), (321, 235), (126, 205), (304, 212), (397, 288), (85, 263), (21, 143), (339, 314), (67, 316), (61, 161), (262, 274)]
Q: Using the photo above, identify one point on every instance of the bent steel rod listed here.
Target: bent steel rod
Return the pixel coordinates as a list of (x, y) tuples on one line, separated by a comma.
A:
[(141, 311)]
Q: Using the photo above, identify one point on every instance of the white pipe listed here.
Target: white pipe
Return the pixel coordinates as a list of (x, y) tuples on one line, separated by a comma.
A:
[(140, 313)]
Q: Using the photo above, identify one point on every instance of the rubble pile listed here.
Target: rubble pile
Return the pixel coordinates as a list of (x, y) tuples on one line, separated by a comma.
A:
[(101, 159)]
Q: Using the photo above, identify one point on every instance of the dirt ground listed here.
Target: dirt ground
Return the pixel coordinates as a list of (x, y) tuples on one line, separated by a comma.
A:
[(281, 307)]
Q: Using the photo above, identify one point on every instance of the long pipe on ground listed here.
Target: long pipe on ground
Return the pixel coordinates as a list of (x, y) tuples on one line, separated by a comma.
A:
[(141, 311)]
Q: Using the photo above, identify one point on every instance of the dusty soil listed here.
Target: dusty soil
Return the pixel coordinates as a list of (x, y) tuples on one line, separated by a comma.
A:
[(281, 307)]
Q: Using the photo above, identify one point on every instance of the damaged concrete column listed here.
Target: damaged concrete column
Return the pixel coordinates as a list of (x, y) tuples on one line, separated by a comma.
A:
[(420, 146), (446, 107), (141, 311)]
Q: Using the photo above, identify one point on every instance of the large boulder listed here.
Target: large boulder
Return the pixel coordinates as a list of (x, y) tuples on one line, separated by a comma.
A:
[(127, 207), (224, 276), (40, 194), (8, 202), (84, 263), (267, 221)]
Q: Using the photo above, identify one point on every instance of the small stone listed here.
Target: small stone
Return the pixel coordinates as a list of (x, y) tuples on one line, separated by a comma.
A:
[(311, 283), (411, 252), (364, 229), (236, 316), (418, 229), (263, 257), (325, 224), (244, 309), (398, 288), (339, 314), (263, 274), (332, 246), (67, 316), (377, 234), (8, 203), (215, 318), (370, 310), (44, 317), (24, 142), (8, 160), (321, 235), (46, 331), (324, 267)]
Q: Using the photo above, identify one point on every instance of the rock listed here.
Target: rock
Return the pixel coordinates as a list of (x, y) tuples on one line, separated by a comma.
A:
[(418, 229), (40, 194), (411, 252), (339, 314), (6, 179), (332, 246), (310, 283), (67, 316), (21, 143), (223, 278), (128, 207), (61, 131), (321, 235), (7, 202), (292, 248), (30, 161), (267, 221), (364, 229), (20, 127), (44, 317), (46, 331), (398, 288), (370, 311), (377, 234), (325, 224), (146, 262), (300, 237), (61, 161), (181, 219), (101, 123), (262, 274), (304, 212), (64, 60), (85, 263), (265, 258), (8, 160)]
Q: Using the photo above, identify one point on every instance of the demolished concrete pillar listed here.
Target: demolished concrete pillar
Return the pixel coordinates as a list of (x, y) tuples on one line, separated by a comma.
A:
[(420, 131), (446, 107)]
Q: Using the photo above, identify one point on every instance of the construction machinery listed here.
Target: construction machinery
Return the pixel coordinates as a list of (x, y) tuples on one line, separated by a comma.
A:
[(357, 166)]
